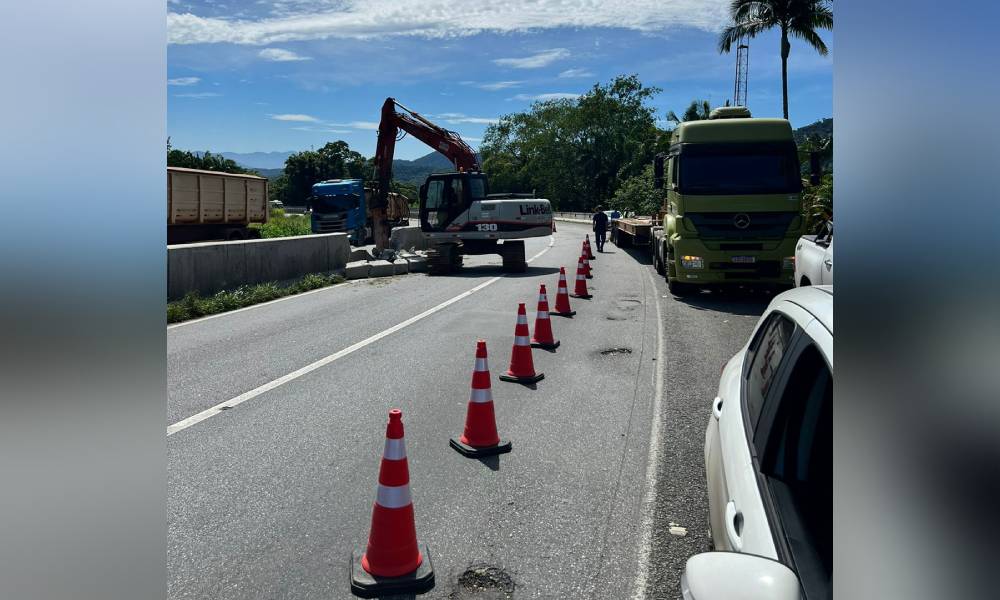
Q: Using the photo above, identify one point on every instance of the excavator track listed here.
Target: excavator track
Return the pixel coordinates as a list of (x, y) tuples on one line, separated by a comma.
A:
[(444, 259)]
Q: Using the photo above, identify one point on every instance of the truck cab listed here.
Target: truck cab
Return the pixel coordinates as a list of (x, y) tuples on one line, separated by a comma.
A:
[(338, 205), (732, 205)]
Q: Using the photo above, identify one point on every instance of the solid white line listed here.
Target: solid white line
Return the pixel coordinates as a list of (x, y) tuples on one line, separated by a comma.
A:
[(652, 464), (228, 404)]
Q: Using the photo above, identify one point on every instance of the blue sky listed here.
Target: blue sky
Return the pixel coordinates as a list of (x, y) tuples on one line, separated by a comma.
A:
[(294, 74)]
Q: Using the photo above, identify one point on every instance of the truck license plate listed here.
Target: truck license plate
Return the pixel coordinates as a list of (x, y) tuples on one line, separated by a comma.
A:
[(744, 259)]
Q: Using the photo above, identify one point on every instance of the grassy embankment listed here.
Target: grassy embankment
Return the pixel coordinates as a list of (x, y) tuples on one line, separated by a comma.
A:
[(193, 305), (283, 225)]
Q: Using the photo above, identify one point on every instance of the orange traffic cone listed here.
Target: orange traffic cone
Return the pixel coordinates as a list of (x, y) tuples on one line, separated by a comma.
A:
[(586, 245), (586, 266), (543, 327), (581, 282), (480, 437), (393, 563), (522, 368), (562, 297)]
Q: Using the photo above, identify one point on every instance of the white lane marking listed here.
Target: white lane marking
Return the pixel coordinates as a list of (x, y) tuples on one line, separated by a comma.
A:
[(652, 464), (222, 406)]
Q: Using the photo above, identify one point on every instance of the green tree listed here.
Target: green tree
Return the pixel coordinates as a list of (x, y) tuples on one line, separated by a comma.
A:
[(637, 194), (334, 160), (797, 18), (575, 152), (698, 110), (205, 161)]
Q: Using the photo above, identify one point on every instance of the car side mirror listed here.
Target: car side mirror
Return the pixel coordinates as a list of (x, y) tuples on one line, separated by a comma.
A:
[(724, 575)]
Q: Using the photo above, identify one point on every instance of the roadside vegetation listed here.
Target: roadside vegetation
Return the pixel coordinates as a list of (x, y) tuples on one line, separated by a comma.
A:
[(281, 224), (194, 305)]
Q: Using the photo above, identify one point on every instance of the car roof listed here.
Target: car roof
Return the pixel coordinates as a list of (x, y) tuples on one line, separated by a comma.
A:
[(817, 300)]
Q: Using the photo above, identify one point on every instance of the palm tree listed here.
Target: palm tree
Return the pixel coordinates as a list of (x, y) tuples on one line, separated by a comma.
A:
[(799, 18), (698, 110)]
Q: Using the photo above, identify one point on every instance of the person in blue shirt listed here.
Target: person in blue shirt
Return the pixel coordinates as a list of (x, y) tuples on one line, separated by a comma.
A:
[(600, 220)]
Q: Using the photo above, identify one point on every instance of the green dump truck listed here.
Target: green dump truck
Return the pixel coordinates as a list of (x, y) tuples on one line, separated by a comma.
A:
[(732, 208)]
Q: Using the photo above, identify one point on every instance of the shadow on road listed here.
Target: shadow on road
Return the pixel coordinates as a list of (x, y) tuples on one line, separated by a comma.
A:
[(640, 254), (495, 270), (736, 301), (493, 462)]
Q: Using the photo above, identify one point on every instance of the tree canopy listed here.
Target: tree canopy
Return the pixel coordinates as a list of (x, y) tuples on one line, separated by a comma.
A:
[(205, 161), (335, 160), (575, 152)]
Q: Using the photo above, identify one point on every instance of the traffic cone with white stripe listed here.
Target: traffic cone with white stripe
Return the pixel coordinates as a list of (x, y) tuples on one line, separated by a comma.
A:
[(394, 562), (480, 437), (586, 248), (586, 266), (522, 368), (543, 337), (562, 297), (581, 282)]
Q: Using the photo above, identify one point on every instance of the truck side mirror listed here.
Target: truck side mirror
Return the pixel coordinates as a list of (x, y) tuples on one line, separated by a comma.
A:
[(815, 172), (423, 192), (658, 172)]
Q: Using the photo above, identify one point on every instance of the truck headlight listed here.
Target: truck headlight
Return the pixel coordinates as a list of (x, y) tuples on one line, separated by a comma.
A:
[(692, 262), (788, 263)]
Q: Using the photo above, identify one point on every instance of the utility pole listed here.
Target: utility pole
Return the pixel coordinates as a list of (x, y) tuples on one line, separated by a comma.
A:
[(742, 71)]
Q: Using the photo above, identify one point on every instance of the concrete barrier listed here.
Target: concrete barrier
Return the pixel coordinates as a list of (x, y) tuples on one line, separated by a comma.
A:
[(405, 238), (212, 266)]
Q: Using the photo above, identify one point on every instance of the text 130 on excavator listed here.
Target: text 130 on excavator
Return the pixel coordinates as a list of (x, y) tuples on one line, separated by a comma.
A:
[(458, 213)]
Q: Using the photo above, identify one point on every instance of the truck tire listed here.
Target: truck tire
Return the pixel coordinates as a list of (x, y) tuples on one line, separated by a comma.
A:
[(658, 262), (512, 254)]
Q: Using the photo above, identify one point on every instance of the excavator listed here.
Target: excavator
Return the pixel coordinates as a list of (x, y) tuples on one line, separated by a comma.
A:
[(458, 214)]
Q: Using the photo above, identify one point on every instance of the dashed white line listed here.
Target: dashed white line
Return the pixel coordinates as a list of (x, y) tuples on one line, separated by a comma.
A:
[(222, 406)]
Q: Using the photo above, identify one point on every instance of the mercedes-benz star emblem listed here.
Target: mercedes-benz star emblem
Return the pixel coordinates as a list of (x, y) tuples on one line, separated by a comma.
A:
[(741, 221)]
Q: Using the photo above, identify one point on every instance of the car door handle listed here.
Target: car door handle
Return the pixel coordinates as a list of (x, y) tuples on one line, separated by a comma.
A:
[(717, 408), (828, 263), (734, 526)]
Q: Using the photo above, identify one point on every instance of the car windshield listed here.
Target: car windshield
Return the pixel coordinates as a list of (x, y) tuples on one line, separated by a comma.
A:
[(336, 203), (731, 169)]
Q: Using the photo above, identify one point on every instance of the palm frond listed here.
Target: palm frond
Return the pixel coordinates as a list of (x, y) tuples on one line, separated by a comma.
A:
[(812, 38)]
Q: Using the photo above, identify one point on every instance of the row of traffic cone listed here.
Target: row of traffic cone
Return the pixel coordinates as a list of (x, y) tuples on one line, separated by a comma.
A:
[(394, 562)]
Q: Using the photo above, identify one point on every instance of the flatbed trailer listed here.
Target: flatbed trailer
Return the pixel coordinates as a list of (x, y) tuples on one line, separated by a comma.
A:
[(632, 231)]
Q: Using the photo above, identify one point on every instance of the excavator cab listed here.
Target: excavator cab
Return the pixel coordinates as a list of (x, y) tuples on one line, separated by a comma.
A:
[(444, 197)]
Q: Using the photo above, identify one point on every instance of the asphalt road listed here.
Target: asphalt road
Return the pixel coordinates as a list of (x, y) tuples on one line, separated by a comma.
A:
[(268, 498)]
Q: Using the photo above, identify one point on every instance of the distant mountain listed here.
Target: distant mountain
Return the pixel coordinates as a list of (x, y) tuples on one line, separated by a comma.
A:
[(259, 160), (823, 127), (416, 171)]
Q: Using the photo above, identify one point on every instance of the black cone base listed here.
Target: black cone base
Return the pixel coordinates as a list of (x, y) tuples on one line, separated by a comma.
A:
[(583, 296), (472, 452), (366, 585), (563, 314), (523, 379), (545, 345)]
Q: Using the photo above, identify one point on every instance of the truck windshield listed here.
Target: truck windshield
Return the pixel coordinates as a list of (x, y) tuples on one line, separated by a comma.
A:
[(730, 169), (336, 203)]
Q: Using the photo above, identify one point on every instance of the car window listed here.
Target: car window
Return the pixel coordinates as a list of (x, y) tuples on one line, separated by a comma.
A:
[(763, 358), (797, 462)]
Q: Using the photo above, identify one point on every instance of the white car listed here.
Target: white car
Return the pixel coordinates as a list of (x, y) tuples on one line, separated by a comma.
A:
[(814, 259), (769, 459)]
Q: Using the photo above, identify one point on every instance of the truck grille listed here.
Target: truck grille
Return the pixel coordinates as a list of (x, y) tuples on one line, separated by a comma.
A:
[(329, 225), (764, 268), (759, 225)]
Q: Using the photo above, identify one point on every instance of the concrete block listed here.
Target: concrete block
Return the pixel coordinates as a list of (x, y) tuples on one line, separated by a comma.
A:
[(360, 254), (380, 268), (356, 269), (400, 267), (418, 264), (404, 238)]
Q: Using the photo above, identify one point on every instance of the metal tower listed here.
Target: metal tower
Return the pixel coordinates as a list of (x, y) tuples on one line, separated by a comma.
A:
[(742, 69)]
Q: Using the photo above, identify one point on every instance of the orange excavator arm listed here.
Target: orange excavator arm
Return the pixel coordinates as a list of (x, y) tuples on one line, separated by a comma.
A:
[(444, 141)]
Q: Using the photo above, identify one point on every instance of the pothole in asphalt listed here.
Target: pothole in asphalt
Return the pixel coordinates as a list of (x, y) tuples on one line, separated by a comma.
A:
[(482, 581), (616, 317), (614, 351), (627, 304)]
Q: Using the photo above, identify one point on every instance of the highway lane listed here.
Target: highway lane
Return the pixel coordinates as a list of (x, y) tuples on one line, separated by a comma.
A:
[(268, 499)]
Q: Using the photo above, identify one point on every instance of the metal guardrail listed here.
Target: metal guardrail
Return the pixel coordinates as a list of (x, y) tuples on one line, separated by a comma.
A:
[(572, 215)]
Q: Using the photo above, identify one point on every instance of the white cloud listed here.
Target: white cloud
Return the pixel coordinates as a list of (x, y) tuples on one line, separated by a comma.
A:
[(498, 85), (544, 97), (183, 81), (535, 61), (357, 125), (570, 73), (456, 118), (366, 19), (198, 95), (281, 55), (298, 118)]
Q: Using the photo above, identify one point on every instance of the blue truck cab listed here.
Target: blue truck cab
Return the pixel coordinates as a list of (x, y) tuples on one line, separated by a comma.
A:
[(338, 205)]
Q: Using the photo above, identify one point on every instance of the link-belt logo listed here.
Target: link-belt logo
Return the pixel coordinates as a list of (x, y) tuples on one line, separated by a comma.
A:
[(535, 209)]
